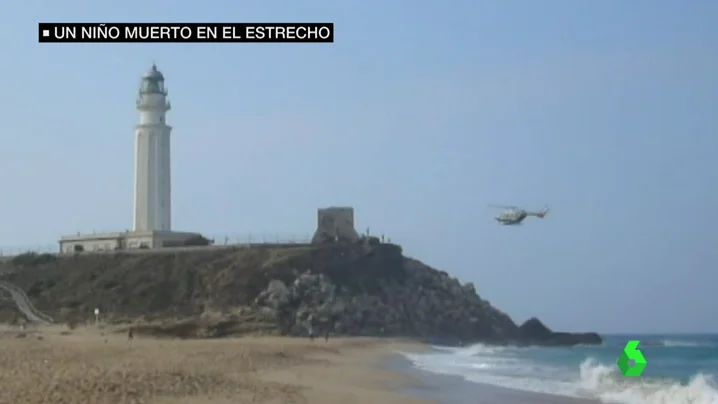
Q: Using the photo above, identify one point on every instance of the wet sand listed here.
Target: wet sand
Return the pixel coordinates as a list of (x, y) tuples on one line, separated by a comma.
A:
[(449, 389), (354, 374)]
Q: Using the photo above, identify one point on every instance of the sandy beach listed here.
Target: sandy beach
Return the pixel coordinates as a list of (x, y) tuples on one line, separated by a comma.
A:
[(55, 365)]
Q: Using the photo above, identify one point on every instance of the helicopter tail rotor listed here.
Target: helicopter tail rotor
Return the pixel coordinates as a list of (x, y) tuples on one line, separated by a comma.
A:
[(542, 213)]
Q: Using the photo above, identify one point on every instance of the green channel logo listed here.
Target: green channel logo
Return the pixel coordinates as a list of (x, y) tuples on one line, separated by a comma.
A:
[(631, 362)]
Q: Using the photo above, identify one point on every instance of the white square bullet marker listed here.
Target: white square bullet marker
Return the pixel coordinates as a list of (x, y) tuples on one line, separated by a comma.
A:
[(45, 32)]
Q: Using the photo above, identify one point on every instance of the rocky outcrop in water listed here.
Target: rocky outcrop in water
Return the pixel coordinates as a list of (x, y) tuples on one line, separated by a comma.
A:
[(534, 332)]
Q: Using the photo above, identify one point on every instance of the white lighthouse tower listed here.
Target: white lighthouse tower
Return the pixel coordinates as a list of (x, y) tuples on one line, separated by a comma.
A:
[(153, 204)]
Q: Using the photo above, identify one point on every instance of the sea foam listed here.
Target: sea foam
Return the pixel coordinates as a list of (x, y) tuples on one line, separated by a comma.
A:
[(507, 368)]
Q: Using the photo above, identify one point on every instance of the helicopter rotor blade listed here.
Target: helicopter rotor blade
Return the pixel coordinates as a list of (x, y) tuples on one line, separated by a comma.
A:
[(502, 206)]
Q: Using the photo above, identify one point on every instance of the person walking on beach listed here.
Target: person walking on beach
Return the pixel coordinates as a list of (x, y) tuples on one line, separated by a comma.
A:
[(130, 335), (310, 329)]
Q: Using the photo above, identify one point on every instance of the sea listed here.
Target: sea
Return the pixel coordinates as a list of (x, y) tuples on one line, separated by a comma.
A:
[(681, 369)]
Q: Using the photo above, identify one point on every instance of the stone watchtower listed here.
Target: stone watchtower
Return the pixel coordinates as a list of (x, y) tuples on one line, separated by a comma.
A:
[(335, 224)]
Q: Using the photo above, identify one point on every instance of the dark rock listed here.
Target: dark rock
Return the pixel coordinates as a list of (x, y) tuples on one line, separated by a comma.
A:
[(534, 332), (533, 328)]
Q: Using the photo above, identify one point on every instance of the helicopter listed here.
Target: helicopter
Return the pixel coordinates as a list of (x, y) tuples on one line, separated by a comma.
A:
[(513, 216)]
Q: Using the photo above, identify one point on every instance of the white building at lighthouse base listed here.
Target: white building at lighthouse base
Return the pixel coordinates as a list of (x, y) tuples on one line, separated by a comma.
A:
[(127, 240)]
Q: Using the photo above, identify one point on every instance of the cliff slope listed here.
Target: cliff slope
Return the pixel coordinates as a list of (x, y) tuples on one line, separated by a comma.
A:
[(353, 289)]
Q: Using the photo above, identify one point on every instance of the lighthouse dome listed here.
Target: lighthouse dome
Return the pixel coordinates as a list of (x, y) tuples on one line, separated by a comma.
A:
[(153, 82), (153, 74)]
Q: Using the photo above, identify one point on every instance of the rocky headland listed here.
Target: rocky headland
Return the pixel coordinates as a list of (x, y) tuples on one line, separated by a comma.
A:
[(361, 289)]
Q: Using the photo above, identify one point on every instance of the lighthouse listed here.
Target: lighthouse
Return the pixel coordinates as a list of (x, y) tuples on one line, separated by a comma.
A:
[(153, 191), (152, 227)]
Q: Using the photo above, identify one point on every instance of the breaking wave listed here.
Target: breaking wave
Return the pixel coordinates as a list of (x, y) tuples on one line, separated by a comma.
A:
[(606, 383), (515, 368), (686, 343)]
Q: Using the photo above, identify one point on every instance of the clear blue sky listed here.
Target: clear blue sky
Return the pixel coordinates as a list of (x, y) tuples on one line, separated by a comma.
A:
[(421, 114)]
